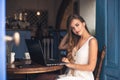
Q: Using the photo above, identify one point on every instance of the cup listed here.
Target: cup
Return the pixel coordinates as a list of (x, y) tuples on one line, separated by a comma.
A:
[(27, 55), (12, 57)]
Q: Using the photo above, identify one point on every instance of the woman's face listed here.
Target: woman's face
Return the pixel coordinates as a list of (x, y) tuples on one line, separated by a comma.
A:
[(77, 26)]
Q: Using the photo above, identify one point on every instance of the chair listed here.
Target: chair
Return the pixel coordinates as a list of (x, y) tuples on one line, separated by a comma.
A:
[(98, 67)]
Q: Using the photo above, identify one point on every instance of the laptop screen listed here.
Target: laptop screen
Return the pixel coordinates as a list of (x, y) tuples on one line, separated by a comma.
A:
[(35, 50)]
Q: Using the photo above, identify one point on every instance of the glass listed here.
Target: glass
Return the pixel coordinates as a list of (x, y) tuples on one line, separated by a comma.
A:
[(9, 46)]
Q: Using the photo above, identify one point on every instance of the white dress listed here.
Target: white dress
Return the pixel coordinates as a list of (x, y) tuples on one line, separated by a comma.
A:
[(81, 57)]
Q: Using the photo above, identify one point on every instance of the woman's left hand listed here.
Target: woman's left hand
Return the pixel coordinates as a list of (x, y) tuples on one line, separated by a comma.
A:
[(64, 59)]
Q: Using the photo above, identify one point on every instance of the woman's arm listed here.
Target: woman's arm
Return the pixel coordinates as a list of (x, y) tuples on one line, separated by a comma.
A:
[(93, 50), (63, 44)]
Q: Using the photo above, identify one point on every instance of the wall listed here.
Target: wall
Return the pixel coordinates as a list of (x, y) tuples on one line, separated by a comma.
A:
[(50, 5), (88, 12)]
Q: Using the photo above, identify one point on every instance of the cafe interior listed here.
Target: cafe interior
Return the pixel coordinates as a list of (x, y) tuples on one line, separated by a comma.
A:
[(44, 20)]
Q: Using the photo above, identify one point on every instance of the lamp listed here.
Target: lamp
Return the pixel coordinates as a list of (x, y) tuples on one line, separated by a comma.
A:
[(38, 11), (15, 38)]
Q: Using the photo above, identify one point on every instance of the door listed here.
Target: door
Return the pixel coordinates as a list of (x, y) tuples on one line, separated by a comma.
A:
[(108, 26), (2, 41)]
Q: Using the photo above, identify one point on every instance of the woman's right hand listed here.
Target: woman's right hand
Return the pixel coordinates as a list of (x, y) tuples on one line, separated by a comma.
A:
[(63, 44)]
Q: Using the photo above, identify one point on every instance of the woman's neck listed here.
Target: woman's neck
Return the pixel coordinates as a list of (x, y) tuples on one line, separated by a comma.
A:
[(85, 35)]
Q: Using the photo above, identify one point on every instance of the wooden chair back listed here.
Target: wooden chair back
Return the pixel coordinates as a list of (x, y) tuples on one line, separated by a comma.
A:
[(98, 67)]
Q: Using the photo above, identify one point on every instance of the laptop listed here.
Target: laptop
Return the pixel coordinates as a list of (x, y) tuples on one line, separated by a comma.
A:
[(36, 53)]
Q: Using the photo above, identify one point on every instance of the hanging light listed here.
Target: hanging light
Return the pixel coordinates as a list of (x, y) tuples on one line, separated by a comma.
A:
[(38, 13)]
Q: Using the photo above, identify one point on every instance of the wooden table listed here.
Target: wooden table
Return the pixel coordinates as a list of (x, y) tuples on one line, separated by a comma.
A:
[(19, 68)]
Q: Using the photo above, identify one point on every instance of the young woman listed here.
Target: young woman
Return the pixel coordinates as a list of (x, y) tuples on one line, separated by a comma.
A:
[(82, 50)]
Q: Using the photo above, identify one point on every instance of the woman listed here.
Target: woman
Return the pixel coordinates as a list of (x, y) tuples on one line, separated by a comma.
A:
[(82, 50)]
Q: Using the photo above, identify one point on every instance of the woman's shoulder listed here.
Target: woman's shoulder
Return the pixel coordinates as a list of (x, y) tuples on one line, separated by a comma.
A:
[(92, 40)]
